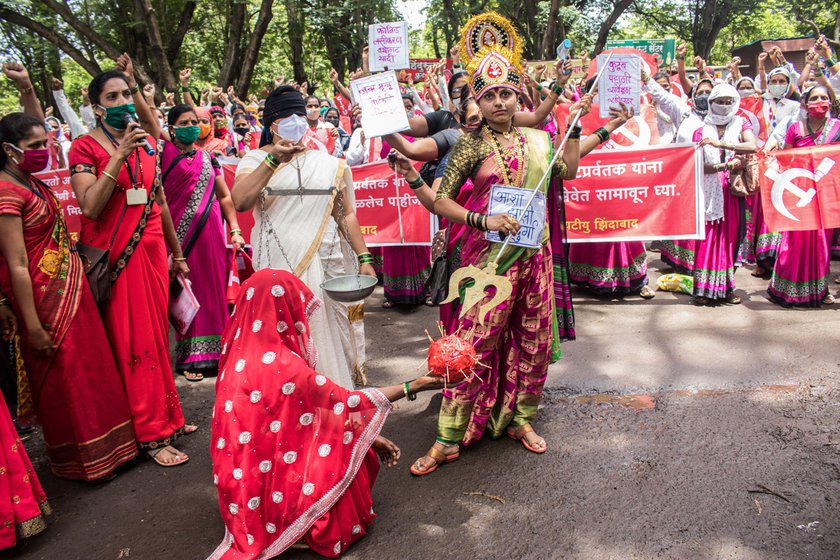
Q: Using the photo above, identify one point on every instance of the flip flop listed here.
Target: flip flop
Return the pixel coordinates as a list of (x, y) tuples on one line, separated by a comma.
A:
[(439, 456), (190, 429), (647, 293), (193, 376), (527, 429), (181, 458)]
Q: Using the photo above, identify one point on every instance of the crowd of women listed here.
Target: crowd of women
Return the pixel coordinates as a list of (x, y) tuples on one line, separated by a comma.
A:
[(85, 322)]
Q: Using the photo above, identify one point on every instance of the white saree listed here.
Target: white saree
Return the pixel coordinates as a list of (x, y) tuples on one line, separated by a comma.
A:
[(298, 234)]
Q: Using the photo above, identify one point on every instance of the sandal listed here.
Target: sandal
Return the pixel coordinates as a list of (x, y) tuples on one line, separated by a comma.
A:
[(180, 458), (387, 304), (760, 272), (429, 302), (828, 299), (732, 299), (837, 280), (701, 301), (519, 433), (647, 293), (190, 429), (439, 457), (193, 376)]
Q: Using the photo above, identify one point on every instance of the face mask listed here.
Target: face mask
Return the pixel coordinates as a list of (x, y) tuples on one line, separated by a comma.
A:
[(720, 108), (333, 122), (313, 114), (818, 109), (186, 134), (204, 130), (701, 103), (114, 115), (323, 111), (33, 161), (242, 130), (746, 93), (778, 90), (292, 128)]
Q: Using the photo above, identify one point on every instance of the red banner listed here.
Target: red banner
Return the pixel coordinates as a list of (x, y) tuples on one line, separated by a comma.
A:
[(637, 195), (752, 109), (800, 188), (638, 132), (380, 195), (376, 207), (59, 181)]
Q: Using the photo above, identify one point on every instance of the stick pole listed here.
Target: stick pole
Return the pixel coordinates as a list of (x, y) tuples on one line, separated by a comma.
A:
[(554, 159)]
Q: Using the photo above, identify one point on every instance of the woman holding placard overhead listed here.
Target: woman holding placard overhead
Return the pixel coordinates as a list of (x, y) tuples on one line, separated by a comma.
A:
[(520, 336)]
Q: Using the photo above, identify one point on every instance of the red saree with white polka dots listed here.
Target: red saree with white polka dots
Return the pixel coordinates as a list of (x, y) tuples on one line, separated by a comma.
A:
[(290, 448)]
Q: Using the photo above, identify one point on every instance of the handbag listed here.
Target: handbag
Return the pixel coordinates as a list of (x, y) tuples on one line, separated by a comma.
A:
[(97, 267), (438, 282), (744, 180)]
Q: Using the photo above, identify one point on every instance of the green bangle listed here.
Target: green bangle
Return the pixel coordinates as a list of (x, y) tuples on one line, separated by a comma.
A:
[(829, 62), (539, 86), (556, 89), (416, 183), (185, 89), (271, 161), (135, 89), (407, 390)]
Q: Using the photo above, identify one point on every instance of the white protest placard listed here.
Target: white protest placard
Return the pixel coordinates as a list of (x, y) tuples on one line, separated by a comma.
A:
[(621, 83), (379, 97), (388, 46), (505, 199)]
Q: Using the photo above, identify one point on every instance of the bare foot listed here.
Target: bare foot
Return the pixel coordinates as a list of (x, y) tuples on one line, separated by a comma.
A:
[(387, 451)]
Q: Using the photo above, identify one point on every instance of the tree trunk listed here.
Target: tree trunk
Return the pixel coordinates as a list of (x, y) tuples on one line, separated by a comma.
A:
[(249, 60), (619, 8), (295, 22), (164, 71), (232, 62), (550, 38), (175, 42)]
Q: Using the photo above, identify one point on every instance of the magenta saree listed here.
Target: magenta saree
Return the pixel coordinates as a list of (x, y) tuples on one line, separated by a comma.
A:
[(189, 181), (520, 336)]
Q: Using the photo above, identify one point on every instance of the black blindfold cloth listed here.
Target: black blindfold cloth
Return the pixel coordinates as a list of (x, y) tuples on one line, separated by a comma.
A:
[(283, 102)]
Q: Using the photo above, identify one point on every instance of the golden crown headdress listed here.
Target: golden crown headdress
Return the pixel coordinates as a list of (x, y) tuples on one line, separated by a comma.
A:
[(491, 51)]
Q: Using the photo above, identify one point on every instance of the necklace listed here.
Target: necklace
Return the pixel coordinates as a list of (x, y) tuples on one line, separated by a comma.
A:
[(517, 150), (507, 135), (813, 133)]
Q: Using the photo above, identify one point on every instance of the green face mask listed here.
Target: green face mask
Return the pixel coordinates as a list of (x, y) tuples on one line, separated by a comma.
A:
[(114, 115), (186, 134)]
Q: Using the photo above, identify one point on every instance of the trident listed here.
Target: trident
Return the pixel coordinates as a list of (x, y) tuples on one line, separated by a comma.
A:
[(487, 277)]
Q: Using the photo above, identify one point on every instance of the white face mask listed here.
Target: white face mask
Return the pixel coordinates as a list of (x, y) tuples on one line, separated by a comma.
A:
[(746, 93), (313, 114), (292, 128), (778, 90), (720, 109)]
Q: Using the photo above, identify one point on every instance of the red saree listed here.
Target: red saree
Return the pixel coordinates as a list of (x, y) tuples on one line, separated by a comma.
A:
[(136, 315), (290, 448), (77, 394), (23, 504)]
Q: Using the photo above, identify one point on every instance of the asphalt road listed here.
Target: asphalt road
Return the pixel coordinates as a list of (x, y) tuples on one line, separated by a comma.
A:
[(674, 432)]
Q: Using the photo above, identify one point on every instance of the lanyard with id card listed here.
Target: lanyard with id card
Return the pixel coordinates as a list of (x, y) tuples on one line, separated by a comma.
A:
[(136, 195)]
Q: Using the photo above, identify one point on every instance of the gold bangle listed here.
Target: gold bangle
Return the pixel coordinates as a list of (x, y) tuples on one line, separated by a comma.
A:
[(3, 301), (114, 179), (179, 259)]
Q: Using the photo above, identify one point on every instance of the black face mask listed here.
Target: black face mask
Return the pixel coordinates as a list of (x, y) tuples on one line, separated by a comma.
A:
[(332, 121), (242, 130)]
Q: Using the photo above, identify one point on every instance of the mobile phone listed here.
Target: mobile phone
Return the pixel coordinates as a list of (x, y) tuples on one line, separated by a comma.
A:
[(392, 157), (563, 50)]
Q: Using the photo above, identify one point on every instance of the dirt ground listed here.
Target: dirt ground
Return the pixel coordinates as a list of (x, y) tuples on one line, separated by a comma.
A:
[(675, 432)]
